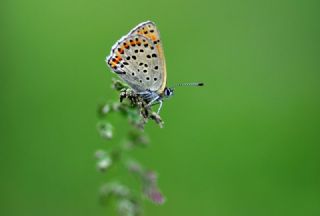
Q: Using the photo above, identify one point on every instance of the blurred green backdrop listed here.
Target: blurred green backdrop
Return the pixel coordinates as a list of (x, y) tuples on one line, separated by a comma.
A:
[(246, 144)]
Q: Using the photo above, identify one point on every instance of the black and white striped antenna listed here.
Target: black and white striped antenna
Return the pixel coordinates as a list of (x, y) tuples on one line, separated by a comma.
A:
[(189, 84)]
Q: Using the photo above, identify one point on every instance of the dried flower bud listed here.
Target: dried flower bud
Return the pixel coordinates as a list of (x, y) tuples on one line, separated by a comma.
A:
[(126, 208), (134, 167), (136, 101), (154, 195), (150, 188), (104, 163), (115, 189), (106, 109), (105, 130), (116, 106), (100, 154), (151, 177)]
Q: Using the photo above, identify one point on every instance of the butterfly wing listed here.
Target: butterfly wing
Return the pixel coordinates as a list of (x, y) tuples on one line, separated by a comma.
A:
[(138, 59)]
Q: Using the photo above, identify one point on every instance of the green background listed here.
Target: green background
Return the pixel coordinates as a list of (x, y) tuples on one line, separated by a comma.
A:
[(245, 144)]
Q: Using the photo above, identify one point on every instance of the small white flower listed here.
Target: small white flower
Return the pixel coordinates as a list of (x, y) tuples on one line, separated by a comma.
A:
[(105, 130), (104, 163), (106, 109)]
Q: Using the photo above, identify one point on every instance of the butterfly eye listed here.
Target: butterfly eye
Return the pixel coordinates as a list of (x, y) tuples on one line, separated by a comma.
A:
[(167, 92)]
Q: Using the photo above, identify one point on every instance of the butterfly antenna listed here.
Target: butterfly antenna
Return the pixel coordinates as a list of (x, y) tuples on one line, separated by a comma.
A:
[(189, 84)]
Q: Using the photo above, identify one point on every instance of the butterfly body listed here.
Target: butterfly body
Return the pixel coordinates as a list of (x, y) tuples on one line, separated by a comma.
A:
[(138, 59)]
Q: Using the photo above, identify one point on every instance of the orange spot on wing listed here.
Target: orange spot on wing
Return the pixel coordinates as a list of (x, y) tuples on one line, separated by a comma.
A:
[(138, 43), (153, 37), (112, 64), (118, 58)]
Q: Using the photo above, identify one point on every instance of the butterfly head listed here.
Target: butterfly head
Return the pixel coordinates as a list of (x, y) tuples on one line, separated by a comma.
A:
[(168, 92)]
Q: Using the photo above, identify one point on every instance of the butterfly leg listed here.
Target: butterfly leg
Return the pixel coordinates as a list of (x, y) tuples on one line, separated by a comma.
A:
[(160, 106), (153, 100), (156, 101)]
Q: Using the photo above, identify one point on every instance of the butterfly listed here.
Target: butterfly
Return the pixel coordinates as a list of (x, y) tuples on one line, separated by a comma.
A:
[(138, 59)]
